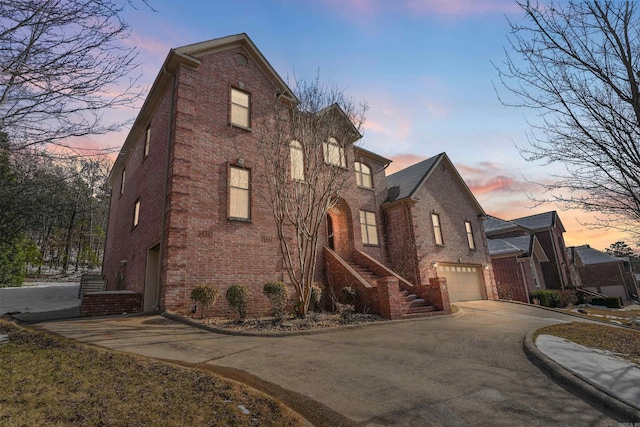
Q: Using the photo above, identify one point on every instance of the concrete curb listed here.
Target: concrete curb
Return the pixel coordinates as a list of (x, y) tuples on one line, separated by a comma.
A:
[(579, 386), (278, 334)]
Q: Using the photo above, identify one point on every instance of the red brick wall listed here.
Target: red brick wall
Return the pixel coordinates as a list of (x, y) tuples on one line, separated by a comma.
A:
[(109, 303), (145, 180), (202, 246)]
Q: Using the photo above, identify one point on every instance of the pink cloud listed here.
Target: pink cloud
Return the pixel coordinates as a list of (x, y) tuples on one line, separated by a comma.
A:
[(499, 183)]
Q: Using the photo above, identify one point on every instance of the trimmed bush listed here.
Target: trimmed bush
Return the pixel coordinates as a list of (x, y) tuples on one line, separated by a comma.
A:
[(316, 297), (206, 296), (610, 302), (238, 298), (547, 297), (276, 292), (348, 295)]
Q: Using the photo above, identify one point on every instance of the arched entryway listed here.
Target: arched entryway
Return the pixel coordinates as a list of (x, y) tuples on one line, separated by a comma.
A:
[(340, 229)]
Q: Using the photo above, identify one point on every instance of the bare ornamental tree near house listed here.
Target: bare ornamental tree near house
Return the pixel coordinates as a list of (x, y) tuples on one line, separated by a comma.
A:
[(64, 64), (578, 65), (303, 142)]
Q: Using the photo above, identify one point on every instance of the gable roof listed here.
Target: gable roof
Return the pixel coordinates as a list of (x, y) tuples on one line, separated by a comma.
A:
[(538, 222), (404, 184), (521, 245), (493, 225), (590, 256), (189, 56)]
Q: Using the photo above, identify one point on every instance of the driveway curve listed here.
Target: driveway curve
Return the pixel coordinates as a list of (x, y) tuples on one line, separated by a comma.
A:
[(467, 370)]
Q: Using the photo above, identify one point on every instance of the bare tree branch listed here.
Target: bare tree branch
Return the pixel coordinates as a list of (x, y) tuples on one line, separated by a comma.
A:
[(577, 65), (63, 65)]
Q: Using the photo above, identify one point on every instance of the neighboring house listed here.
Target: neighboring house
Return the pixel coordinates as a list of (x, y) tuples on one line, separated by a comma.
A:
[(517, 266), (558, 272), (435, 229), (603, 273), (185, 208)]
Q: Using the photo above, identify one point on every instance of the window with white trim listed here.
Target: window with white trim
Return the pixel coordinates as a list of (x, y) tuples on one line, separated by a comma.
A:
[(147, 141), (122, 178), (437, 229), (239, 193), (469, 231), (136, 213), (239, 108), (363, 175), (297, 161), (368, 228), (334, 153)]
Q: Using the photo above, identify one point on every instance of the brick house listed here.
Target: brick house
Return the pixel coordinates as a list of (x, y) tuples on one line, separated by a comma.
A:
[(517, 266), (186, 210), (435, 229), (603, 273), (558, 272)]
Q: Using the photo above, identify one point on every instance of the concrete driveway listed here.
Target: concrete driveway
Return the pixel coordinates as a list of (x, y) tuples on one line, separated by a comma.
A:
[(468, 370)]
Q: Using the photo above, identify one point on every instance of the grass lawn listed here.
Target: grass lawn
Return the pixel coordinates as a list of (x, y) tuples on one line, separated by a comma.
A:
[(622, 342), (51, 381), (624, 317)]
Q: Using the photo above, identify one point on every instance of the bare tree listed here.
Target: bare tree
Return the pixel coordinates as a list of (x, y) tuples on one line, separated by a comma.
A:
[(63, 64), (578, 65), (303, 145)]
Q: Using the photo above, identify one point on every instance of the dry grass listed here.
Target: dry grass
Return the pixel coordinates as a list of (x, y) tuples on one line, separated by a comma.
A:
[(51, 381), (622, 342), (623, 317)]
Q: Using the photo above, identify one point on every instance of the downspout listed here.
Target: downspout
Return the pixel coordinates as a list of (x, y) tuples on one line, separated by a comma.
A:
[(163, 234)]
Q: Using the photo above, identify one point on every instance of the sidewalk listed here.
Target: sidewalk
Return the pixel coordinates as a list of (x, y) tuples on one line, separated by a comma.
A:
[(606, 381)]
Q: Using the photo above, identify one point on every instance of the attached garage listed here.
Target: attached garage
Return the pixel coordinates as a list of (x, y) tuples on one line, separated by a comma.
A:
[(464, 282)]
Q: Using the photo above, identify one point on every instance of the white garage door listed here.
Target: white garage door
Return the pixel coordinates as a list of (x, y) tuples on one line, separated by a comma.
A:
[(463, 281)]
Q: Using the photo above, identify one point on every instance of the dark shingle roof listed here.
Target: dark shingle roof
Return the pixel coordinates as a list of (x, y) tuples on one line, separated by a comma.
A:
[(537, 222), (588, 255), (403, 183), (510, 245), (497, 225)]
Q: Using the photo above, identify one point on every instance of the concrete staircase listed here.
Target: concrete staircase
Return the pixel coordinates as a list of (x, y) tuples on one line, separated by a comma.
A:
[(412, 306)]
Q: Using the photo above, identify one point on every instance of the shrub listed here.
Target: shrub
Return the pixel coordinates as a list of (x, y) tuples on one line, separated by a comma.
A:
[(316, 297), (568, 297), (610, 302), (547, 297), (348, 295), (276, 292), (238, 297), (346, 312), (206, 296)]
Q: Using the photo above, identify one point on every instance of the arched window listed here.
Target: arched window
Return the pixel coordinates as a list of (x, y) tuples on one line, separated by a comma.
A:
[(363, 175), (334, 153), (297, 161)]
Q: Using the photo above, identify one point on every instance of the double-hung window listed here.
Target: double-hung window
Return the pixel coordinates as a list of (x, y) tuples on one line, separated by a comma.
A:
[(469, 231), (363, 175), (147, 141), (437, 229), (334, 153), (297, 161), (239, 193), (368, 228), (240, 108), (136, 213)]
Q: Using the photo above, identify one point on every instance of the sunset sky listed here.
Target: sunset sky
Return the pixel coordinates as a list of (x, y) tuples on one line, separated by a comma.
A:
[(425, 68)]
